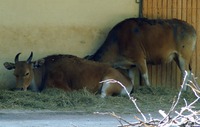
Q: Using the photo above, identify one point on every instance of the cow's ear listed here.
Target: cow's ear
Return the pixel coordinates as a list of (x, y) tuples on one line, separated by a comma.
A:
[(38, 63), (9, 66)]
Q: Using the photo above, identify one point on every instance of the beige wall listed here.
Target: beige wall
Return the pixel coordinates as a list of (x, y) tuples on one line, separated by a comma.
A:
[(56, 26)]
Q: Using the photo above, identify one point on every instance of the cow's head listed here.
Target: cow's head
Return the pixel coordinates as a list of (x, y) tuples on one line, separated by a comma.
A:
[(23, 71)]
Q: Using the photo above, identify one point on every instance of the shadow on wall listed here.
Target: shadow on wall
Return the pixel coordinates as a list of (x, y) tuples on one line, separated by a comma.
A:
[(43, 41)]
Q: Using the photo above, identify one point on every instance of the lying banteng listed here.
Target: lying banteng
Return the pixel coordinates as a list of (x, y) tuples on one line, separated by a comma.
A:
[(67, 72)]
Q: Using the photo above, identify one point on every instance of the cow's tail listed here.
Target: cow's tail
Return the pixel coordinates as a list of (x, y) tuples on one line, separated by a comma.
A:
[(190, 66)]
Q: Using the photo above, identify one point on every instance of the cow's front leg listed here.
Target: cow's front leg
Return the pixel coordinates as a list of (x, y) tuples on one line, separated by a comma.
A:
[(142, 66), (131, 75)]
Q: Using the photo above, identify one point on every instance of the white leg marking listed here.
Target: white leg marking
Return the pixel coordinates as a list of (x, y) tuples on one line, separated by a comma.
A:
[(131, 75), (146, 79)]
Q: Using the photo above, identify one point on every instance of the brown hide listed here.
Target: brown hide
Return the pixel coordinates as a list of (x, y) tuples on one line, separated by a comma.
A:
[(69, 73), (77, 73), (139, 41)]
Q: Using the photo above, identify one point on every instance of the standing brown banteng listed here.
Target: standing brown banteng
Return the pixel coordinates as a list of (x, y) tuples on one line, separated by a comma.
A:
[(141, 41)]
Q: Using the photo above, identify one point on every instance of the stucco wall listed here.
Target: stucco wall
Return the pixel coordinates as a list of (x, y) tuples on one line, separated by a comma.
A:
[(56, 26)]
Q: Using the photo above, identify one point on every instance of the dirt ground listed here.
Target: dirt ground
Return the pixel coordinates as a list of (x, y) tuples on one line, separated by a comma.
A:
[(27, 118)]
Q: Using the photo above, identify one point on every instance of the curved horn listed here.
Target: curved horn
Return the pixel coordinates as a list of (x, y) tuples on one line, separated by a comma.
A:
[(17, 57), (30, 58)]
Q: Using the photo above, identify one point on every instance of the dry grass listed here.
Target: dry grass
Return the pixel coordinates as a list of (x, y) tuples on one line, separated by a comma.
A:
[(178, 115), (55, 99)]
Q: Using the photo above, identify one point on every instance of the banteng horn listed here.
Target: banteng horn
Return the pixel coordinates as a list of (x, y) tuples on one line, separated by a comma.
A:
[(30, 58), (17, 57)]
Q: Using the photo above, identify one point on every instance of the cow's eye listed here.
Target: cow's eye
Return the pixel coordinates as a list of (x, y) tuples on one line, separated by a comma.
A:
[(27, 74)]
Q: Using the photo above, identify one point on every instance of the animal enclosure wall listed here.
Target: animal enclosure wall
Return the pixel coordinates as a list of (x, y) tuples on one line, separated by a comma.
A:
[(187, 10), (48, 27)]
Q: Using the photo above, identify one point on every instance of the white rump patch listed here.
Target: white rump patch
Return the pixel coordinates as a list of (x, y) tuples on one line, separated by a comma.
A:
[(124, 90)]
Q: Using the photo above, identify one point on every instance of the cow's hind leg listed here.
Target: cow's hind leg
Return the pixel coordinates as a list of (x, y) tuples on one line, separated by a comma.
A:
[(142, 66), (184, 65)]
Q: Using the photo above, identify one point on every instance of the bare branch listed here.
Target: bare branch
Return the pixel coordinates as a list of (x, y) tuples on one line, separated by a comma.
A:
[(131, 98), (187, 116)]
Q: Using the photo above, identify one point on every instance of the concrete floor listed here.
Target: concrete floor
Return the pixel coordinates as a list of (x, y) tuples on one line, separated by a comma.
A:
[(16, 118)]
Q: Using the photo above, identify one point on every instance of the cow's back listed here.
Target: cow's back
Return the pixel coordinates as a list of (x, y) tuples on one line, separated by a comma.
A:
[(139, 41), (137, 38)]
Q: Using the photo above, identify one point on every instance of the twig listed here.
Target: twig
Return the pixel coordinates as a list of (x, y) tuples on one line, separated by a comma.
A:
[(131, 98), (180, 119), (194, 82), (174, 104)]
